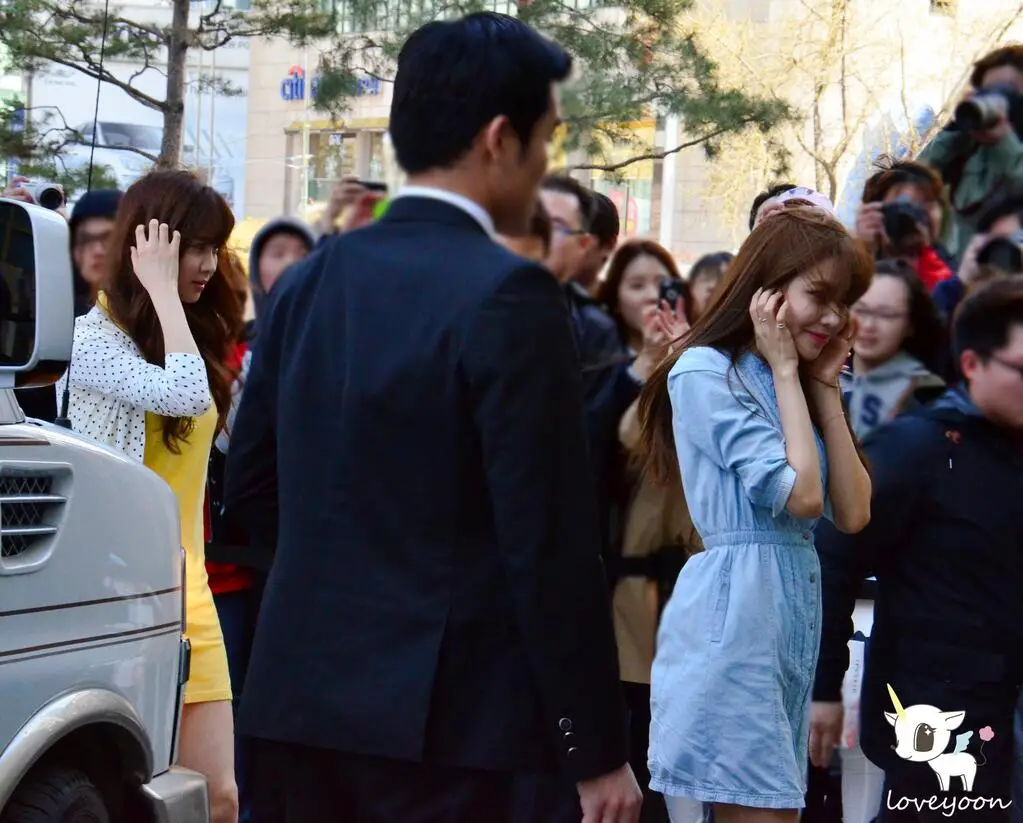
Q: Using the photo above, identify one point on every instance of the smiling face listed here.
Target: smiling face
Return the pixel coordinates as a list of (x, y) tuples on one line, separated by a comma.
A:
[(197, 267), (813, 316)]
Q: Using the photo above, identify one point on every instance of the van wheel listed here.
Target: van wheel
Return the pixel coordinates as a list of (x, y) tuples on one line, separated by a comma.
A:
[(56, 796)]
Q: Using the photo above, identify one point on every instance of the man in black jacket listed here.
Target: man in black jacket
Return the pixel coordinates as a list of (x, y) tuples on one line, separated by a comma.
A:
[(945, 542), (435, 624)]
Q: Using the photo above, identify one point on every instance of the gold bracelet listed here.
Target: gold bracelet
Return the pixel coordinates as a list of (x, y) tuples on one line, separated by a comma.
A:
[(833, 417), (835, 385)]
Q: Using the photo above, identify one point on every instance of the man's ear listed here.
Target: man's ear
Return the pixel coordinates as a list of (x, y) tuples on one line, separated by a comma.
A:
[(969, 363), (587, 241), (496, 136)]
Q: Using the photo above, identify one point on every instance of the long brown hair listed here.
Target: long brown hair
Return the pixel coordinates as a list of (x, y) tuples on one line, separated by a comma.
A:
[(182, 201), (785, 245)]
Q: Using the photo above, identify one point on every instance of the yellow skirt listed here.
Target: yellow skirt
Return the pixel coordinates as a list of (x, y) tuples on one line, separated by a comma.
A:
[(209, 678)]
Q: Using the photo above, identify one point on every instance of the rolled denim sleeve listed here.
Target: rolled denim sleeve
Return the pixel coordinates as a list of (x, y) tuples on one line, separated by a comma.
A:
[(721, 418)]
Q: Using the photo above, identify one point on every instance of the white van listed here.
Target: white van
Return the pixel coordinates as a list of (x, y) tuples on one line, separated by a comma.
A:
[(92, 659)]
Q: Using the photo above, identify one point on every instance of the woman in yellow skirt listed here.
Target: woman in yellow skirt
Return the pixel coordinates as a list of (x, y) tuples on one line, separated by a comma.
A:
[(148, 377)]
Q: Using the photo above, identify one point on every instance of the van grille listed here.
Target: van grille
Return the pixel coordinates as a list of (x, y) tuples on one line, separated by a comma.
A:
[(28, 512)]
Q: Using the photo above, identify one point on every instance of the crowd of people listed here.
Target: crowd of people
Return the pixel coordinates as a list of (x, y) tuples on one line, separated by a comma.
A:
[(493, 516)]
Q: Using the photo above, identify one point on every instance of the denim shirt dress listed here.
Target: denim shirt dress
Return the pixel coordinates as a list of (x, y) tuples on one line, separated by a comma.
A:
[(737, 645)]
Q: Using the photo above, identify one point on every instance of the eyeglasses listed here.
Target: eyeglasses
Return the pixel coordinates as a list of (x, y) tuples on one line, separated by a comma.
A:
[(882, 315), (564, 229), (1011, 366), (83, 240)]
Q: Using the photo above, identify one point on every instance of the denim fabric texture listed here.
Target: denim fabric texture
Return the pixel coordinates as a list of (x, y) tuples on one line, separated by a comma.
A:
[(737, 646)]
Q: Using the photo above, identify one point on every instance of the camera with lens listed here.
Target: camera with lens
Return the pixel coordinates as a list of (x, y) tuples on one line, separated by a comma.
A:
[(48, 195), (1004, 254), (983, 110), (903, 220)]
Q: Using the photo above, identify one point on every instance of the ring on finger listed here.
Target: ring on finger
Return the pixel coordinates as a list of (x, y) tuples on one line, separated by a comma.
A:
[(781, 325), (762, 319)]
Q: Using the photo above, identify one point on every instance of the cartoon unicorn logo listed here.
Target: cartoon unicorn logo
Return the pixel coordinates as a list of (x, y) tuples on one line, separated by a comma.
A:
[(922, 733)]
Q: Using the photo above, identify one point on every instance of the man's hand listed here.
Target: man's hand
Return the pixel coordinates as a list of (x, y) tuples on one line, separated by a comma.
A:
[(970, 268), (870, 225), (345, 193), (612, 798), (15, 191), (825, 731)]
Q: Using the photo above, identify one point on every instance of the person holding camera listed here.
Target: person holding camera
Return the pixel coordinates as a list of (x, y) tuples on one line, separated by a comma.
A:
[(996, 250), (902, 216), (980, 151)]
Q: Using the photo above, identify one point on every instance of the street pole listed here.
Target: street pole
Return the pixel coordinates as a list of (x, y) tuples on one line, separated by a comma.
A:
[(213, 114), (306, 93)]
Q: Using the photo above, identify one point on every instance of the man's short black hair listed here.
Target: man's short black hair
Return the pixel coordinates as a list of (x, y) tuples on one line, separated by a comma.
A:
[(569, 185), (605, 224), (986, 317), (1006, 202), (763, 197), (456, 76)]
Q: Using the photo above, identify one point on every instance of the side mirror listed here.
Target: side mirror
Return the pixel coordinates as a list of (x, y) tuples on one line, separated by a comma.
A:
[(36, 295)]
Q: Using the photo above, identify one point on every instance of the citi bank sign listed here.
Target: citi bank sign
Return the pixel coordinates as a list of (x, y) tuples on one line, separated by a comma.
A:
[(293, 87)]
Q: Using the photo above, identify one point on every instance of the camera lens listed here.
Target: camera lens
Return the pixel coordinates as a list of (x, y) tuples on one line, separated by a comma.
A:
[(1002, 254), (50, 197)]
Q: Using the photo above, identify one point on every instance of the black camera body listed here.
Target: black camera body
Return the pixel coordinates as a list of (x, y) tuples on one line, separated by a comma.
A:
[(673, 290), (1003, 253), (902, 220), (983, 111)]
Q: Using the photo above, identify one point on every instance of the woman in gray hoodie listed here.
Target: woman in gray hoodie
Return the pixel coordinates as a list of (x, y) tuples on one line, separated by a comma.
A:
[(900, 348)]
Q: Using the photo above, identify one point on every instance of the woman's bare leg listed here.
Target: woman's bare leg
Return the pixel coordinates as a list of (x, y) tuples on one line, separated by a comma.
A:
[(206, 745)]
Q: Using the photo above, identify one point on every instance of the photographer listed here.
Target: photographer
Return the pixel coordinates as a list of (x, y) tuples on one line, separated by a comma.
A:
[(902, 216), (980, 151), (995, 250)]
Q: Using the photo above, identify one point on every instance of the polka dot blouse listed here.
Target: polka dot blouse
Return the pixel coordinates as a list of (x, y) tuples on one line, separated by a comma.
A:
[(112, 385)]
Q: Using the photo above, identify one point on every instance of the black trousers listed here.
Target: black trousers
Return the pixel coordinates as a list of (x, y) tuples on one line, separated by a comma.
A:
[(298, 784), (637, 699)]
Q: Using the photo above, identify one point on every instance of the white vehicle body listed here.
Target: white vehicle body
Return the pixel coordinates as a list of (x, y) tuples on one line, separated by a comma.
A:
[(92, 658)]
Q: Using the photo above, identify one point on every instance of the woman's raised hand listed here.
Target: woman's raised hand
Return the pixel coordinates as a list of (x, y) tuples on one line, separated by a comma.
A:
[(155, 256), (774, 340)]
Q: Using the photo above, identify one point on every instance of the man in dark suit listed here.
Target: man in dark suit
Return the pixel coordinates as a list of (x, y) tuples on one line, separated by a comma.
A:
[(435, 626)]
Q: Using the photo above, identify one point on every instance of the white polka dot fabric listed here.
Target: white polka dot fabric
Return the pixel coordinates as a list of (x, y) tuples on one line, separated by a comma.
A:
[(112, 385)]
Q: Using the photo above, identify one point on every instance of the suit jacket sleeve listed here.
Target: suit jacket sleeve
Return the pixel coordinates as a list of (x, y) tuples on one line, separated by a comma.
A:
[(849, 559), (524, 382), (250, 481)]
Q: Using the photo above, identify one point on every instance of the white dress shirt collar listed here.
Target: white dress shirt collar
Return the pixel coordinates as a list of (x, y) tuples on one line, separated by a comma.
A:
[(470, 207)]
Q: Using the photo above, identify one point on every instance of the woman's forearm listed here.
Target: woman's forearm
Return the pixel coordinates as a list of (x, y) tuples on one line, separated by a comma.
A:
[(806, 501), (177, 337), (848, 481)]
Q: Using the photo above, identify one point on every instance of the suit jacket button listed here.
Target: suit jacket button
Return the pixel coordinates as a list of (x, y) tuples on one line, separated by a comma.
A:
[(572, 751), (569, 737), (565, 724)]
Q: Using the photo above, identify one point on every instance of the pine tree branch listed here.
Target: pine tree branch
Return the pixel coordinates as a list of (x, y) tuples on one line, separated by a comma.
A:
[(654, 155)]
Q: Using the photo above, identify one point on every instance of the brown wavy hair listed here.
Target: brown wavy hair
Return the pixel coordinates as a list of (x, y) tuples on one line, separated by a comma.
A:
[(187, 205), (785, 245)]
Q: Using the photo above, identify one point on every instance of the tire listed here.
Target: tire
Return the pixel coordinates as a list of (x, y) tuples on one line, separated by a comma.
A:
[(56, 795)]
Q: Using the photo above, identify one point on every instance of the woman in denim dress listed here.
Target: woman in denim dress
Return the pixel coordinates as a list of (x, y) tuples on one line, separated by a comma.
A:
[(751, 408)]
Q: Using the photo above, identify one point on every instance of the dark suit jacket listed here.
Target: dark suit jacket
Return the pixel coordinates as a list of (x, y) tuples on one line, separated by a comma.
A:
[(412, 431), (945, 541)]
